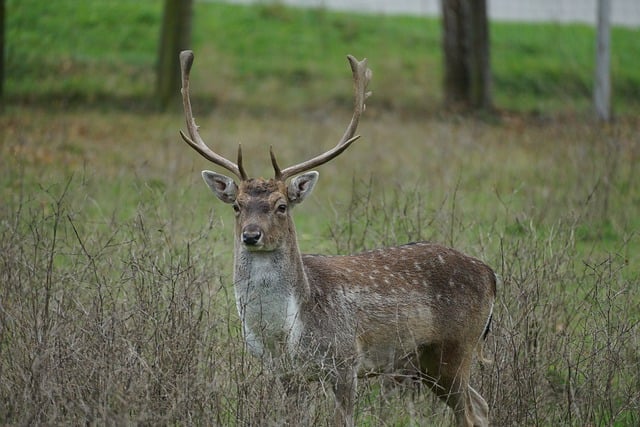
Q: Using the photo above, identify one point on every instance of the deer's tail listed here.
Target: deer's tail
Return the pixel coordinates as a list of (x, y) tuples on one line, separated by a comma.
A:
[(487, 327)]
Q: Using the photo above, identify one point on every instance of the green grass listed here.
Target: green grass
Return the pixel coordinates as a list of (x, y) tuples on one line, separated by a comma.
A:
[(105, 51), (116, 304)]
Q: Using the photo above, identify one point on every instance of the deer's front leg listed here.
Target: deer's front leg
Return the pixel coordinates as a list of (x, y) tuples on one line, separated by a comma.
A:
[(344, 388)]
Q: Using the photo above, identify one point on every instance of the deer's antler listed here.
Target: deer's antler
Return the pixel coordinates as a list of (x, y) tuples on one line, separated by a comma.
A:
[(361, 78), (194, 139)]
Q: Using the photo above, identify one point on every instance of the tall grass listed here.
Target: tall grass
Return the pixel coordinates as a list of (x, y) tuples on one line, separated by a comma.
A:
[(116, 304), (100, 322)]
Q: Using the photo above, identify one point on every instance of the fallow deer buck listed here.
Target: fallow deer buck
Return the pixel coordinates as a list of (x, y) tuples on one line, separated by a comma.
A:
[(419, 310)]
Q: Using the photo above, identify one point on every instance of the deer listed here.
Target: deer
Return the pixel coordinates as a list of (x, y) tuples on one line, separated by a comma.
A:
[(418, 310)]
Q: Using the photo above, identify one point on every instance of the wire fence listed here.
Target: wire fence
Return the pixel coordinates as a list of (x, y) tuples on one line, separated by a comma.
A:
[(624, 12)]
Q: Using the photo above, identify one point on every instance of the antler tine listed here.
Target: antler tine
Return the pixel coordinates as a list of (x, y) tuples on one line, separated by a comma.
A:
[(361, 78), (194, 139)]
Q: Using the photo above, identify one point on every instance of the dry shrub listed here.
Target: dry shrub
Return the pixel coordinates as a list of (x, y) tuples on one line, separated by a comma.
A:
[(116, 318), (117, 323), (565, 344), (101, 325), (565, 340)]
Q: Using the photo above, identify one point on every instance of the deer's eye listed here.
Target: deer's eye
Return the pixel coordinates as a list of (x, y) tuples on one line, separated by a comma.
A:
[(282, 208), (236, 208)]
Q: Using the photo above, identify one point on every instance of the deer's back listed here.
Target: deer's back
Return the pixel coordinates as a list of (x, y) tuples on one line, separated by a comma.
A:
[(412, 294)]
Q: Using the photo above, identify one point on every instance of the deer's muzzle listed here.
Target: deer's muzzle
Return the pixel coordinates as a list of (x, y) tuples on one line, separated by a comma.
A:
[(252, 235)]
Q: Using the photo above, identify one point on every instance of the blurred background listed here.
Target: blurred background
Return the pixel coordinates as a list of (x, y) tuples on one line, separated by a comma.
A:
[(516, 56)]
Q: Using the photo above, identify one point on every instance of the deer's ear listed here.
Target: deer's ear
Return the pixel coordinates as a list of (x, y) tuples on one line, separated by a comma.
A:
[(301, 186), (222, 186)]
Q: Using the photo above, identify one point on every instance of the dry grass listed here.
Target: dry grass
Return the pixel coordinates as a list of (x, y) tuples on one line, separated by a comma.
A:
[(115, 300)]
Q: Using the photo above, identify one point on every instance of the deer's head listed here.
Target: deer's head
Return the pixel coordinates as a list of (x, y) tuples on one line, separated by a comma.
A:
[(263, 207)]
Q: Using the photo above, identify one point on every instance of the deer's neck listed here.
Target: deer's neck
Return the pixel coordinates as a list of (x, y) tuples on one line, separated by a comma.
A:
[(270, 288)]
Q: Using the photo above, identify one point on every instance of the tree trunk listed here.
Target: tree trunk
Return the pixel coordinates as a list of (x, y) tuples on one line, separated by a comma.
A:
[(467, 81), (456, 79), (480, 66), (602, 87), (2, 33), (175, 36)]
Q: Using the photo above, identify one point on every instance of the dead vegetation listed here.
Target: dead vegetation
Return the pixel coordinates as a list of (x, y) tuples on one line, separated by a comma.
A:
[(116, 304)]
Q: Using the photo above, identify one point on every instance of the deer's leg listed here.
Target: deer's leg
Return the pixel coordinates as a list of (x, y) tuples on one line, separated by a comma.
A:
[(344, 388), (299, 400), (447, 370), (479, 408)]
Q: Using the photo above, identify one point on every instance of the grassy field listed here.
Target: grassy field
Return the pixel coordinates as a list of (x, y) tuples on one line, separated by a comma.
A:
[(104, 52), (116, 305)]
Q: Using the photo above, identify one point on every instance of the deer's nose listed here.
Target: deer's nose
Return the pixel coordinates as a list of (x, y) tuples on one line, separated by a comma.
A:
[(251, 235)]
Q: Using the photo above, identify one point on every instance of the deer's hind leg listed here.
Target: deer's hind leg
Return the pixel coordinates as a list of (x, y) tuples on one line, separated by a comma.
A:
[(446, 369)]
